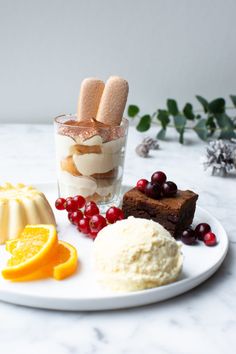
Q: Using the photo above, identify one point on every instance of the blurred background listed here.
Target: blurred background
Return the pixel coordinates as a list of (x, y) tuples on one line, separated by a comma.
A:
[(163, 48)]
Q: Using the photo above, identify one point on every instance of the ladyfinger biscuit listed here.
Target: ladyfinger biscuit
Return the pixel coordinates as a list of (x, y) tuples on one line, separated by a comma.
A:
[(85, 149), (106, 175), (98, 198), (68, 165), (113, 101), (90, 94)]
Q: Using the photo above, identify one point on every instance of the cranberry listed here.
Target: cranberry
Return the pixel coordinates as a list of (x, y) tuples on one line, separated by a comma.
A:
[(169, 189), (188, 236), (75, 216), (80, 201), (210, 239), (141, 185), (201, 230), (83, 225), (114, 214), (153, 190), (97, 222), (158, 177), (71, 205), (60, 203), (91, 209)]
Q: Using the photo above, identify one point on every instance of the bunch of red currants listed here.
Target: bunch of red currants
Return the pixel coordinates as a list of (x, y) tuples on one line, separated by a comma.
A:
[(158, 188), (89, 221)]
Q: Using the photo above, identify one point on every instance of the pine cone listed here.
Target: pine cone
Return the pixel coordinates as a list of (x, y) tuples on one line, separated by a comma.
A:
[(151, 143), (142, 150), (219, 157)]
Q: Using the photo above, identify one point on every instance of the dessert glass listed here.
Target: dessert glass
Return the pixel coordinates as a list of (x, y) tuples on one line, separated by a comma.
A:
[(90, 159)]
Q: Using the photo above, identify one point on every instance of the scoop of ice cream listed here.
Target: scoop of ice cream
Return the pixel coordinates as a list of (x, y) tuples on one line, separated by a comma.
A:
[(136, 254)]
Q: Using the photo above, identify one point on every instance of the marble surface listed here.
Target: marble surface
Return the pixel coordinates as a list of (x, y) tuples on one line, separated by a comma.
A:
[(200, 321)]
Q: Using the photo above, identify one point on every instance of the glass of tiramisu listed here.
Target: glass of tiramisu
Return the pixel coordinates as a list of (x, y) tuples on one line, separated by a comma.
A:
[(90, 145)]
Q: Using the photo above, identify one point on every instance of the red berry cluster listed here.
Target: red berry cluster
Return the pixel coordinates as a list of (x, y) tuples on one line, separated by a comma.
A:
[(202, 232), (158, 188), (89, 220)]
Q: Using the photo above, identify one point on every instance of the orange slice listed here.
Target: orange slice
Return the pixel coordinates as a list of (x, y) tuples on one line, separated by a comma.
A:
[(63, 263), (34, 249)]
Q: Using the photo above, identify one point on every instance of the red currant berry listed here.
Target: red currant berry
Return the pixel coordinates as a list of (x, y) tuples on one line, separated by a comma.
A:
[(92, 234), (121, 216), (80, 201), (201, 230), (188, 236), (210, 239), (71, 205), (83, 225), (114, 214), (158, 177), (97, 222), (60, 203), (141, 185), (169, 189), (75, 216), (153, 191), (91, 209)]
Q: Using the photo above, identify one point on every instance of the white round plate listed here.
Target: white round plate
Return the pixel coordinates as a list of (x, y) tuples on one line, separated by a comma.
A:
[(81, 292)]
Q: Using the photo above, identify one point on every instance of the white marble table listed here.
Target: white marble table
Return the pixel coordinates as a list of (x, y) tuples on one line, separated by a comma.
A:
[(200, 321)]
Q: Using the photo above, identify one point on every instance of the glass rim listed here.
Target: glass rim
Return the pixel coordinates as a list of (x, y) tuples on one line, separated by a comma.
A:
[(72, 116)]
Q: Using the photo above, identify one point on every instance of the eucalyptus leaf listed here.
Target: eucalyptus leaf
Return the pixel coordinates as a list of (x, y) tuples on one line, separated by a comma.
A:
[(133, 110), (144, 123), (203, 102), (161, 134), (217, 106), (201, 129), (188, 111), (226, 125), (180, 122), (233, 99), (163, 117), (211, 125), (172, 107)]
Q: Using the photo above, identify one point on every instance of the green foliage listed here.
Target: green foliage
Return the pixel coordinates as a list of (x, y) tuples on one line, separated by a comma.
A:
[(161, 134), (133, 111), (180, 122), (226, 125), (163, 117), (203, 102), (144, 123), (172, 107), (233, 99), (188, 111), (217, 106), (211, 121), (201, 129)]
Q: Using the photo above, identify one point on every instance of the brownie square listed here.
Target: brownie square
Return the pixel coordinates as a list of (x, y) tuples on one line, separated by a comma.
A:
[(175, 214)]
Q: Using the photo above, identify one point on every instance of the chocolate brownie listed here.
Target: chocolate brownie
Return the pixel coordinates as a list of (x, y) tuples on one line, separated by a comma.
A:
[(175, 213)]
